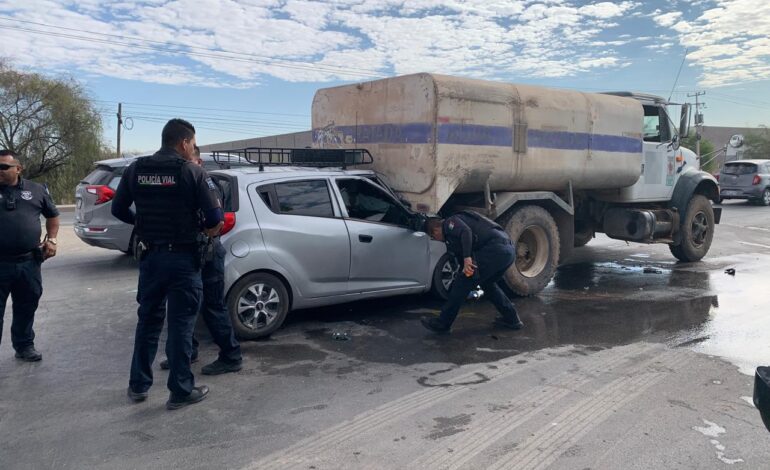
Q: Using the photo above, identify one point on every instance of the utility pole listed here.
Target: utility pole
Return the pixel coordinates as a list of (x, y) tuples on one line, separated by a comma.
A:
[(698, 120), (120, 124)]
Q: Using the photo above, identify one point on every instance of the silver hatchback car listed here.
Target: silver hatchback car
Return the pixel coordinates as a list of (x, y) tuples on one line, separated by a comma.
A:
[(299, 237), (746, 179), (94, 222)]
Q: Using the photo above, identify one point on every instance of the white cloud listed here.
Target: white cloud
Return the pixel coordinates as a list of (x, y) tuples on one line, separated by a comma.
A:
[(729, 41), (668, 19), (312, 40)]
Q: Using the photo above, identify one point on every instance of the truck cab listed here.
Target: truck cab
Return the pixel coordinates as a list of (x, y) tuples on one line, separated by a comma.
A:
[(664, 161)]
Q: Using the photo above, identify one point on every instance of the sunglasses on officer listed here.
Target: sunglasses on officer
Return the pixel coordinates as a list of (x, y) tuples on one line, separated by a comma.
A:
[(7, 166)]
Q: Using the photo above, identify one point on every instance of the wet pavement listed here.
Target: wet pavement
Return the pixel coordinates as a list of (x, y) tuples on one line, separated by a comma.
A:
[(368, 375)]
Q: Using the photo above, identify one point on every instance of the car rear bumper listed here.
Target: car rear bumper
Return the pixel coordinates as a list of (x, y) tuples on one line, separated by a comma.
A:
[(741, 193), (112, 237)]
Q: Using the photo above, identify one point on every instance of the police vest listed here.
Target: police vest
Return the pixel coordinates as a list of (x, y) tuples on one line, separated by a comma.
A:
[(164, 205)]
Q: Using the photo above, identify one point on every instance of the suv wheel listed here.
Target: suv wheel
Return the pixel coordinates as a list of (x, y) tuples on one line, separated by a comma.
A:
[(258, 305)]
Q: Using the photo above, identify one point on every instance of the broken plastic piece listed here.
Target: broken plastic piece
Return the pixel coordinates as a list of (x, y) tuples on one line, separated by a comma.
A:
[(730, 271)]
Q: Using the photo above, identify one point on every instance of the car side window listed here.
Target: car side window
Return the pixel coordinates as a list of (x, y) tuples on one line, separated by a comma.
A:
[(365, 201), (302, 198)]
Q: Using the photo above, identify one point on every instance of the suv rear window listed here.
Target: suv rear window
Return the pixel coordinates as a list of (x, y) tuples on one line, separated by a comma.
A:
[(739, 169), (304, 198), (101, 175)]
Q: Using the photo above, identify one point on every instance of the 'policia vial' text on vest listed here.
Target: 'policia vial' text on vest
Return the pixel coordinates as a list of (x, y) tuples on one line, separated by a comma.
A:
[(164, 212)]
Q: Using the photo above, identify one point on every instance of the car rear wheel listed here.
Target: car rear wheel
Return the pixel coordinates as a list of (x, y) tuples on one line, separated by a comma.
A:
[(765, 200), (258, 304), (133, 247)]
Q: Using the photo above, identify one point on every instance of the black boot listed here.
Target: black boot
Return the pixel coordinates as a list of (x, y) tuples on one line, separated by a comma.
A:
[(513, 324), (197, 394), (221, 367), (29, 354), (434, 325)]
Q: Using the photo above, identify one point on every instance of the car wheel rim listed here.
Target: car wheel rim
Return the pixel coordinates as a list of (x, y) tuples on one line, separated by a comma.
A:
[(448, 272), (767, 197), (699, 229), (532, 251), (259, 306)]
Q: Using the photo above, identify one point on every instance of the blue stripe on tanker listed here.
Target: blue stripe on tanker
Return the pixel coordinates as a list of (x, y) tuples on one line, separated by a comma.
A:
[(474, 134)]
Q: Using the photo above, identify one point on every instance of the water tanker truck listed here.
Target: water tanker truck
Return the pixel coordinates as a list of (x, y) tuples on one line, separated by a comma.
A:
[(553, 167)]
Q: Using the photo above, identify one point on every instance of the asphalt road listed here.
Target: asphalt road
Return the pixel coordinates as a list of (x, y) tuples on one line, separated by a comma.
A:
[(628, 360)]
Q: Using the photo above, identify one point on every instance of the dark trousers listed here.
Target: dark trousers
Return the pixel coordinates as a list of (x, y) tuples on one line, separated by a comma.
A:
[(214, 310), (22, 281), (492, 260), (173, 277)]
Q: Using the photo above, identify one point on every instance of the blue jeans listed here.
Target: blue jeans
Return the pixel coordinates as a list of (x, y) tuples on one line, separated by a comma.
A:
[(175, 278), (22, 281), (492, 261)]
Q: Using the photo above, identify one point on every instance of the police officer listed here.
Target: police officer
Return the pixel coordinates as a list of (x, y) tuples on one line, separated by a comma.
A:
[(21, 204), (169, 192), (486, 252), (214, 310)]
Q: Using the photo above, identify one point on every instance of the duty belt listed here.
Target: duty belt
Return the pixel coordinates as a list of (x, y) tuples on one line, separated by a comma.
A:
[(15, 258), (174, 247)]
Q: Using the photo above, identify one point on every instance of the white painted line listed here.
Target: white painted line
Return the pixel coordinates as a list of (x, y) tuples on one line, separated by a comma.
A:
[(755, 244)]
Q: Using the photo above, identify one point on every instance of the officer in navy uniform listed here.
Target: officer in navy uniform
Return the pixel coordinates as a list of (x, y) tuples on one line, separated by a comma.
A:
[(21, 204), (486, 252), (214, 310), (169, 192)]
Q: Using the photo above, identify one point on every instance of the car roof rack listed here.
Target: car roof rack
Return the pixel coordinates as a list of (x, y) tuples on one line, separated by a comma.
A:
[(311, 157)]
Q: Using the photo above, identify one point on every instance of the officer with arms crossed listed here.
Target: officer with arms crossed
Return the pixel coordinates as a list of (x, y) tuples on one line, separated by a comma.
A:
[(169, 192), (214, 310), (21, 203), (487, 253)]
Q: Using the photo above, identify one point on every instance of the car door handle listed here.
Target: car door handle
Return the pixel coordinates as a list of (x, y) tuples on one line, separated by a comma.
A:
[(365, 238)]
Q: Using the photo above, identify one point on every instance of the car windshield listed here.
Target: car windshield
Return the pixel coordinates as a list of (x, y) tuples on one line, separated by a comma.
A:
[(740, 169)]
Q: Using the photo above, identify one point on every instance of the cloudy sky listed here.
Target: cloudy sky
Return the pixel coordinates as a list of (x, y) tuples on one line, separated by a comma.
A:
[(247, 68)]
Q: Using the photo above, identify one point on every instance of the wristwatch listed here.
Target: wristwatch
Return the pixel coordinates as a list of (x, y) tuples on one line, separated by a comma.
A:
[(51, 240)]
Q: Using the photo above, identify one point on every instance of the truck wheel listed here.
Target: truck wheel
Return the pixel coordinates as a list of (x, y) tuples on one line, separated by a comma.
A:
[(443, 276), (258, 304), (536, 238), (697, 230), (583, 234)]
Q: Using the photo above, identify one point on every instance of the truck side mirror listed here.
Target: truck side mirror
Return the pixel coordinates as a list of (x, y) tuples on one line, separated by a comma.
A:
[(684, 121)]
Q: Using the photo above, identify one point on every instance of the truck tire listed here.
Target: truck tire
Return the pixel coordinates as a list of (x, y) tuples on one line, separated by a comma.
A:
[(443, 276), (536, 238), (583, 234), (697, 230), (258, 304)]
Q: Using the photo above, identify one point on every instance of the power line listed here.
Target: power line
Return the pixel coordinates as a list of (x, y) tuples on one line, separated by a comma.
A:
[(156, 120), (155, 105), (158, 46)]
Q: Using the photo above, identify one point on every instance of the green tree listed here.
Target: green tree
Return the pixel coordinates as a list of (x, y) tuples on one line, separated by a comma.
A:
[(52, 125), (757, 144), (708, 160)]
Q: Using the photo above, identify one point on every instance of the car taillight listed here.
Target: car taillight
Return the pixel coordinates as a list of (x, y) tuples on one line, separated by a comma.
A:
[(103, 193), (229, 222), (756, 180)]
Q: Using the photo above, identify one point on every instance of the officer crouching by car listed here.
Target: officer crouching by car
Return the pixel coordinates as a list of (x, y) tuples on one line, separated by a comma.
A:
[(169, 191), (486, 252)]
